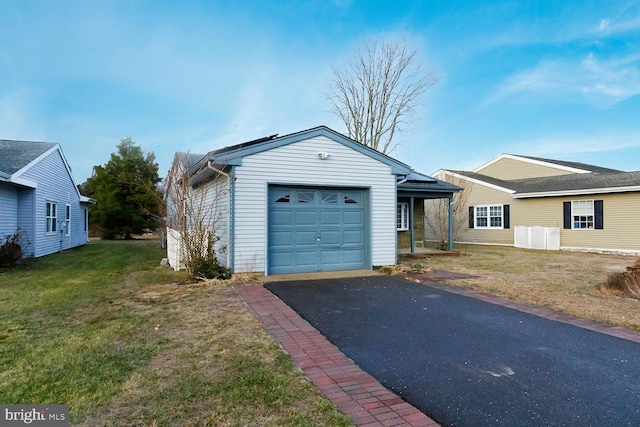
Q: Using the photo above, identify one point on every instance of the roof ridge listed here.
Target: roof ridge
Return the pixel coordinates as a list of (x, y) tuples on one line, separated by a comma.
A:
[(568, 163)]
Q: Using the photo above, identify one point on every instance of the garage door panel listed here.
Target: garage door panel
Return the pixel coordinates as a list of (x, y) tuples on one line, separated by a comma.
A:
[(309, 238), (281, 217), (306, 218), (280, 260), (353, 218), (316, 230), (353, 237), (328, 257), (306, 258), (330, 218), (333, 237), (281, 238), (353, 255)]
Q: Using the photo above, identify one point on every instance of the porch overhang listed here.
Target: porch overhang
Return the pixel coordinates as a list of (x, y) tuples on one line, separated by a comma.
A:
[(416, 186)]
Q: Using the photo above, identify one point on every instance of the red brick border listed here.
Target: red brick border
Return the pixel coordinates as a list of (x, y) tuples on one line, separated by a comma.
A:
[(359, 395)]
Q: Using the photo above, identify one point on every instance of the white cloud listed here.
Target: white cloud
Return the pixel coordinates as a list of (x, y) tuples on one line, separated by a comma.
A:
[(562, 146), (625, 20), (604, 25), (602, 84)]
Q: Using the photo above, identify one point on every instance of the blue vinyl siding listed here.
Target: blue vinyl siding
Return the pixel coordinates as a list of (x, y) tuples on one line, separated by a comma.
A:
[(54, 185), (26, 212), (8, 209)]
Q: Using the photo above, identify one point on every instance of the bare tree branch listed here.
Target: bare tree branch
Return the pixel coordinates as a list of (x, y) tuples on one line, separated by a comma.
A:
[(377, 92), (195, 213), (437, 212)]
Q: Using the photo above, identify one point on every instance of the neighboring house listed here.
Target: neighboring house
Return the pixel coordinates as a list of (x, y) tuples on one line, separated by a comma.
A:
[(39, 198), (586, 207), (314, 200)]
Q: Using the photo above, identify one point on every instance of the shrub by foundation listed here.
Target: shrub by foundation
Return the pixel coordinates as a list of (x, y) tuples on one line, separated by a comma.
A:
[(10, 250)]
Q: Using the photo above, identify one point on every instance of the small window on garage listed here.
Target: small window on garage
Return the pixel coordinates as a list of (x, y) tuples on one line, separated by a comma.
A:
[(329, 197), (351, 199), (284, 199), (306, 197)]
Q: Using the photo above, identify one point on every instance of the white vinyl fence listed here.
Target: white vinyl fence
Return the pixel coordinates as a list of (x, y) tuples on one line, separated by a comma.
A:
[(174, 249), (547, 238)]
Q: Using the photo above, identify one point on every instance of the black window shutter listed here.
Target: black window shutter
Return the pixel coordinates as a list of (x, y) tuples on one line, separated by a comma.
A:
[(506, 221), (470, 216), (599, 214), (567, 215)]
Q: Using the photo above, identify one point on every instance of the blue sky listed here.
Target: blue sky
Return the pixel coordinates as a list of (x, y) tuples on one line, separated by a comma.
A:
[(557, 79)]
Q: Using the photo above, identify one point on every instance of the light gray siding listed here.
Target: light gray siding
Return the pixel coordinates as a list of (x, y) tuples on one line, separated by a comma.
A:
[(8, 210), (26, 212), (55, 185), (215, 197), (298, 164)]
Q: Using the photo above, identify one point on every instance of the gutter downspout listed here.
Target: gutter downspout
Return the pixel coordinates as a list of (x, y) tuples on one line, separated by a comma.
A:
[(230, 182), (411, 227), (450, 223)]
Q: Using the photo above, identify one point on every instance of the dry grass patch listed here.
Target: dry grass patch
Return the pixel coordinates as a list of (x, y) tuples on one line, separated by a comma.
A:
[(571, 282), (217, 367), (124, 342)]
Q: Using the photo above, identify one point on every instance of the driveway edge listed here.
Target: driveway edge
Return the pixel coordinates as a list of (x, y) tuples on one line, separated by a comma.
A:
[(546, 313), (356, 393)]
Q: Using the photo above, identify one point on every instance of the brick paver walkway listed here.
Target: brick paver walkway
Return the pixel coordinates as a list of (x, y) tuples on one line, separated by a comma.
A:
[(356, 393)]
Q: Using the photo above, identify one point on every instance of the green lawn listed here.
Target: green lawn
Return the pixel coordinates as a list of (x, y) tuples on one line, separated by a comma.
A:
[(122, 341)]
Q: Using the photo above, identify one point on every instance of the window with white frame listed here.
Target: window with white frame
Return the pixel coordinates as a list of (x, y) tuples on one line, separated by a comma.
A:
[(51, 217), (67, 220), (582, 213), (403, 217), (488, 216)]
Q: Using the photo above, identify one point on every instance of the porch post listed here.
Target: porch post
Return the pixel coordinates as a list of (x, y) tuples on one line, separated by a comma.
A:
[(411, 224), (450, 223)]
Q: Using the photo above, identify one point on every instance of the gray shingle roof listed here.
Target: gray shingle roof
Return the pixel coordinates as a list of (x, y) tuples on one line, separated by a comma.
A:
[(14, 155), (578, 181), (575, 165), (484, 178), (417, 182), (569, 182)]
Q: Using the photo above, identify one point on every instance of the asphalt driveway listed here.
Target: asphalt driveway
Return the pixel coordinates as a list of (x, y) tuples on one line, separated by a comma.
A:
[(466, 362)]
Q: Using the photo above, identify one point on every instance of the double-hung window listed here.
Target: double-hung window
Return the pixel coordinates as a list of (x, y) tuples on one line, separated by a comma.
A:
[(582, 214), (488, 216), (67, 220), (403, 216), (51, 217)]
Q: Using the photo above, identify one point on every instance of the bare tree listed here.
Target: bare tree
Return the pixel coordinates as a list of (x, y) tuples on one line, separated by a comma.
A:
[(195, 216), (376, 93), (437, 212)]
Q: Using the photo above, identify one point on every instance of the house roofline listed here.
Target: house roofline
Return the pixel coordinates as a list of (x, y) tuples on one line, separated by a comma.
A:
[(532, 161), (579, 192), (234, 156), (475, 181), (16, 177)]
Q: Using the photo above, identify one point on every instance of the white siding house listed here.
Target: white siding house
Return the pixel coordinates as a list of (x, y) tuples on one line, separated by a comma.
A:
[(309, 201)]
